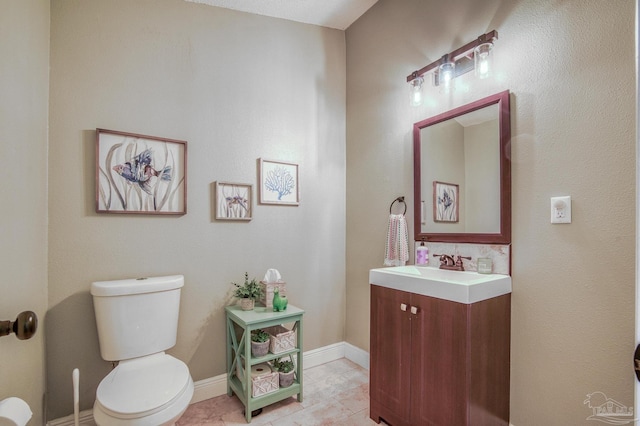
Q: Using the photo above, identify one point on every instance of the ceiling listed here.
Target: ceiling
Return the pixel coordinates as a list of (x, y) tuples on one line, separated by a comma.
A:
[(337, 14)]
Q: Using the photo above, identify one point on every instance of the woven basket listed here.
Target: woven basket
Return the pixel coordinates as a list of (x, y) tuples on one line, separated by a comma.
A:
[(247, 304), (282, 339), (264, 384)]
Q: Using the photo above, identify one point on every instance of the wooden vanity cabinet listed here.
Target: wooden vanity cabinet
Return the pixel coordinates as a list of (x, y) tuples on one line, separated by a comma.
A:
[(438, 362)]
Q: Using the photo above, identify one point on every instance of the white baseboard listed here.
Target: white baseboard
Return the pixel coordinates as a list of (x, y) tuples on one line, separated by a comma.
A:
[(357, 355), (209, 388), (217, 385), (85, 418)]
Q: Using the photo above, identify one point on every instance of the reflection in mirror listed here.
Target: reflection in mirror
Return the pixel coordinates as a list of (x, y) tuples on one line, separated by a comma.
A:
[(462, 177), (463, 152)]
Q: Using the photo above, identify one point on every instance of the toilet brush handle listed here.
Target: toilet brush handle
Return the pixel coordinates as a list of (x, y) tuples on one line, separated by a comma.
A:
[(76, 395)]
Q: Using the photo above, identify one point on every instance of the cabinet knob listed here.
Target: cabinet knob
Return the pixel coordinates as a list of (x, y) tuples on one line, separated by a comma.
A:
[(414, 310), (403, 307)]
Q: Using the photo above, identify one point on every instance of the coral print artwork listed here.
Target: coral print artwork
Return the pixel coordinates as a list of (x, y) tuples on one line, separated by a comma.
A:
[(140, 174), (279, 183)]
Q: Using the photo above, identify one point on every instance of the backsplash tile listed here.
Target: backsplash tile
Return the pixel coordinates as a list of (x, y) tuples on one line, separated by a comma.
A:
[(498, 253)]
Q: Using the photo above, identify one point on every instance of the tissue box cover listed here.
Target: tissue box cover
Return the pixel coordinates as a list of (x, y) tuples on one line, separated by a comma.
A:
[(281, 339), (266, 298)]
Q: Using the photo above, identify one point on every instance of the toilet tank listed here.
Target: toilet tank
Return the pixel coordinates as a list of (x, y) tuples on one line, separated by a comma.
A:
[(136, 317)]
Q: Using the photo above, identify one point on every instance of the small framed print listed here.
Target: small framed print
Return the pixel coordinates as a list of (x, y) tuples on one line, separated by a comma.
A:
[(139, 174), (233, 201), (278, 183), (445, 202)]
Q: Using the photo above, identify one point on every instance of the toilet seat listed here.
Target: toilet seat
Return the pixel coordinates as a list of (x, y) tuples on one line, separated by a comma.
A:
[(143, 387)]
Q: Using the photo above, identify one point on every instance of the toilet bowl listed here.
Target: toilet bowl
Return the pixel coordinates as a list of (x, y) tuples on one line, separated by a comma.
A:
[(137, 321), (149, 391)]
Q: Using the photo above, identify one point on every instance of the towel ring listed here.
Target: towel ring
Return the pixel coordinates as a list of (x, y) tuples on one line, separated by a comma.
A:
[(398, 200)]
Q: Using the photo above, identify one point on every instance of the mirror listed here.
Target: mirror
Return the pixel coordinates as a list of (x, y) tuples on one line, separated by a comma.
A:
[(462, 174)]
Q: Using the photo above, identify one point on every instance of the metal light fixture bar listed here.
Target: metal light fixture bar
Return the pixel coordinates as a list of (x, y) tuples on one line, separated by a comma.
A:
[(453, 56)]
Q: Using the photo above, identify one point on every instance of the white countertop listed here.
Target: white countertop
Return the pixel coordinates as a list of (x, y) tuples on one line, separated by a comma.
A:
[(457, 286)]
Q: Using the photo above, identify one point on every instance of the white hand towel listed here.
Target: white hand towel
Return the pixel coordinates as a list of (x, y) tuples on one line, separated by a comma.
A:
[(396, 251)]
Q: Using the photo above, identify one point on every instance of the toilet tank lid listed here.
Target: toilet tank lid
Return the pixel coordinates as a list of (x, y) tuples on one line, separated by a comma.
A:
[(136, 285)]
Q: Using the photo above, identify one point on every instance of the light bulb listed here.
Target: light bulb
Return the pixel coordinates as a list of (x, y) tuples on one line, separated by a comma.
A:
[(446, 73), (415, 91), (483, 59)]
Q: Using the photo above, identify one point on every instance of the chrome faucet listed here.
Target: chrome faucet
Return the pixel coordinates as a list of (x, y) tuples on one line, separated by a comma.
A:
[(448, 262)]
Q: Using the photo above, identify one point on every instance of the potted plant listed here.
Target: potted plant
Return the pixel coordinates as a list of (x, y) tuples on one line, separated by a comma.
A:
[(259, 343), (285, 371), (248, 292)]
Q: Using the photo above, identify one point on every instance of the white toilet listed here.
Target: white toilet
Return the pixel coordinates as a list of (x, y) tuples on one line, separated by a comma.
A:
[(137, 321)]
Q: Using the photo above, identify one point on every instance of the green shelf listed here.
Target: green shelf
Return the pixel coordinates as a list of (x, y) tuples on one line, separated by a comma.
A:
[(239, 350)]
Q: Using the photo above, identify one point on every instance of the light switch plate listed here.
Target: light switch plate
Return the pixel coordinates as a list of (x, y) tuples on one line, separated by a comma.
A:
[(561, 209)]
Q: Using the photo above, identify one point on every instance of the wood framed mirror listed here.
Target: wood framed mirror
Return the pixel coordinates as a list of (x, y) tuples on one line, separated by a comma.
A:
[(462, 174)]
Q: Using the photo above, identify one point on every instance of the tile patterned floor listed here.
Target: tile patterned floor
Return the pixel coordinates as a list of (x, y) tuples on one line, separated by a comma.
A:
[(336, 393)]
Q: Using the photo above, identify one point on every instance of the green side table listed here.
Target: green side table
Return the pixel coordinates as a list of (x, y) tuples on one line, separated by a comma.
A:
[(240, 324)]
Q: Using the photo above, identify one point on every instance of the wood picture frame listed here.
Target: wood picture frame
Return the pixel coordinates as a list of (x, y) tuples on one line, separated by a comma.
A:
[(140, 174), (234, 201), (279, 183)]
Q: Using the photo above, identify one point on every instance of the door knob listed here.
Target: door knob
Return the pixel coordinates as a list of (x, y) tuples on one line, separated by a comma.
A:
[(403, 307), (414, 310), (24, 326), (636, 362)]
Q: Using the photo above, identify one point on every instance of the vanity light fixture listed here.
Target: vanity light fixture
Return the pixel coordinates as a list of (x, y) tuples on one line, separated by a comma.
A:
[(476, 54)]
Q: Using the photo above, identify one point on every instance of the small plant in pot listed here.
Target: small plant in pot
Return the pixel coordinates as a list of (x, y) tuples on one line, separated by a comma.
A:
[(259, 343), (285, 371), (248, 292)]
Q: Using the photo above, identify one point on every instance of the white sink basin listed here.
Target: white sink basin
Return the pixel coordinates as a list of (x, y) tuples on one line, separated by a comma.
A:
[(457, 286)]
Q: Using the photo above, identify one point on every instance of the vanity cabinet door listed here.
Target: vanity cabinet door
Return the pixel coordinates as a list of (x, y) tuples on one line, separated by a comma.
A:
[(489, 361), (439, 338), (390, 370)]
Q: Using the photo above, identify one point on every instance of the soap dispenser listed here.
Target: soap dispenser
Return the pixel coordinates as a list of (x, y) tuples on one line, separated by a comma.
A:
[(422, 254)]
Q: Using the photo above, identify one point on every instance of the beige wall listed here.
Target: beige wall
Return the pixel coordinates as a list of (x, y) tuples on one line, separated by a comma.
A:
[(482, 189), (237, 87), (570, 68), (24, 86)]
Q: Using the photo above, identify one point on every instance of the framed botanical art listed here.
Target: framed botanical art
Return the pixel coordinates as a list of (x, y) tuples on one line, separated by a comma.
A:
[(139, 174), (279, 183), (233, 201), (445, 202)]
